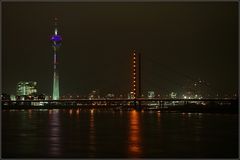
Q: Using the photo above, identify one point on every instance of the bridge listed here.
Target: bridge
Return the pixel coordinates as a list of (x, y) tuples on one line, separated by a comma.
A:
[(164, 105), (125, 100)]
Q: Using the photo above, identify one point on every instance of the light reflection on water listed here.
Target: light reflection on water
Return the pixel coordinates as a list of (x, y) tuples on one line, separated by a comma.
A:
[(158, 116), (134, 147), (54, 127), (75, 133), (92, 145), (30, 114), (77, 112)]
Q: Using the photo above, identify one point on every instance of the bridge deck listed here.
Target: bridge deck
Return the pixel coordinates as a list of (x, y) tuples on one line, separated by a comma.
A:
[(126, 100)]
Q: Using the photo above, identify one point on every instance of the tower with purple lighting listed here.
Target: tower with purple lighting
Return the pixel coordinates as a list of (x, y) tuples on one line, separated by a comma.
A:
[(56, 43)]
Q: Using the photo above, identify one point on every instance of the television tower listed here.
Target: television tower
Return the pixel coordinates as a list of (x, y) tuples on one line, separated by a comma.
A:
[(56, 43)]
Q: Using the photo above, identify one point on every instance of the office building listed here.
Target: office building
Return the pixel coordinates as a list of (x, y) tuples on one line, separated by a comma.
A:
[(26, 88)]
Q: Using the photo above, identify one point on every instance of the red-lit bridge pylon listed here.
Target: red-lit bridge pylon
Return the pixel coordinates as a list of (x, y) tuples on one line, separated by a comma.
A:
[(136, 77)]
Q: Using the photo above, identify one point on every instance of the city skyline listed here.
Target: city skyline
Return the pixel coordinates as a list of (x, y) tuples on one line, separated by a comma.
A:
[(178, 42)]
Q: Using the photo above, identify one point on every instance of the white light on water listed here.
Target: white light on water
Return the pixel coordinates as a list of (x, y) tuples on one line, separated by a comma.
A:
[(56, 31)]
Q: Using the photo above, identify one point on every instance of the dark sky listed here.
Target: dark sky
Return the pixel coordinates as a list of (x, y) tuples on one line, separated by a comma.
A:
[(178, 42)]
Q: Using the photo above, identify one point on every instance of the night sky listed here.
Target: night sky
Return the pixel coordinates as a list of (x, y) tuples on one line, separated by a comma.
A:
[(179, 42)]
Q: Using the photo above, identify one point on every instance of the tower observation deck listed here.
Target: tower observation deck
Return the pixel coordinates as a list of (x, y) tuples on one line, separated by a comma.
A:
[(56, 43)]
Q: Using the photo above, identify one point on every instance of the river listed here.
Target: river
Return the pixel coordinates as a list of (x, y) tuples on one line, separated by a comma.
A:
[(75, 133)]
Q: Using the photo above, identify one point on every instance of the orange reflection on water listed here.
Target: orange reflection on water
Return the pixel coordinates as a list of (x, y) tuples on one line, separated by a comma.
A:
[(92, 135), (158, 115), (70, 112), (30, 114), (134, 147), (77, 111)]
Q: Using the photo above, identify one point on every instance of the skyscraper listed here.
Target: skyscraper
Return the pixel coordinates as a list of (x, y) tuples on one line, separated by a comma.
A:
[(26, 88), (56, 43)]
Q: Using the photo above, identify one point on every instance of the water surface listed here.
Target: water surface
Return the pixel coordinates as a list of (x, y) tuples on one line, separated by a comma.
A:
[(107, 134)]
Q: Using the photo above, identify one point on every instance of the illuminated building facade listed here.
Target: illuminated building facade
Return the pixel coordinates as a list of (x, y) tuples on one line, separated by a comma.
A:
[(56, 43), (94, 94), (151, 94), (173, 95), (26, 88)]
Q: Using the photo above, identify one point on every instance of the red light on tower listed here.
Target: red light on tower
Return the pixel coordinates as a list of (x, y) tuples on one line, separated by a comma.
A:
[(134, 74)]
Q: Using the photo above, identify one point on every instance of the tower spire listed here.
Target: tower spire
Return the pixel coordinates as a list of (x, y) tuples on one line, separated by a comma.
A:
[(55, 25)]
